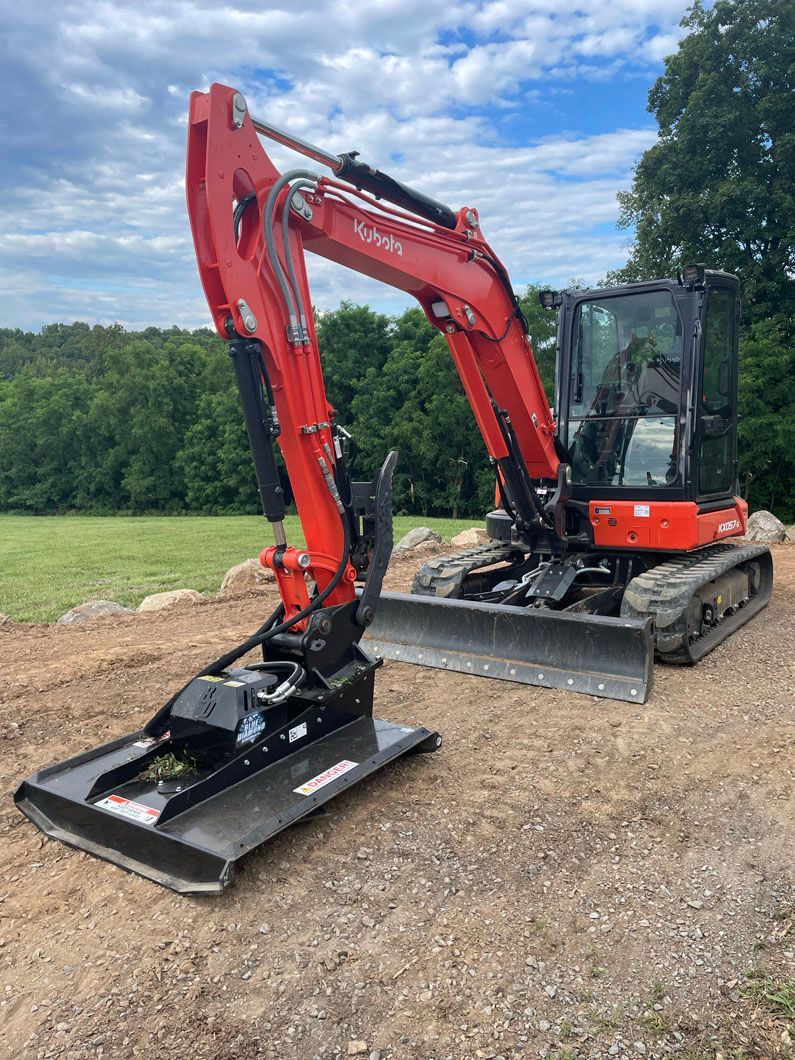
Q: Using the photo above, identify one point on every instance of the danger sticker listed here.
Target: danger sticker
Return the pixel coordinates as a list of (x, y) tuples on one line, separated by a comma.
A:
[(320, 781), (136, 811), (642, 511)]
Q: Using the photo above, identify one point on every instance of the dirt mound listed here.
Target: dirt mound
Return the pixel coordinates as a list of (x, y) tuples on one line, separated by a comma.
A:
[(567, 877)]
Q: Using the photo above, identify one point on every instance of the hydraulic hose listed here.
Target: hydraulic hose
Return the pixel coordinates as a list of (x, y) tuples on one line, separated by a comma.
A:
[(270, 628), (296, 675), (294, 308), (263, 636), (239, 210), (288, 257)]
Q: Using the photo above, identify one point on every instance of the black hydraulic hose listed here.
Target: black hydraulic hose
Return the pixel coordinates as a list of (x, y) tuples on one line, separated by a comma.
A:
[(240, 210), (267, 631), (262, 637), (296, 677), (505, 280)]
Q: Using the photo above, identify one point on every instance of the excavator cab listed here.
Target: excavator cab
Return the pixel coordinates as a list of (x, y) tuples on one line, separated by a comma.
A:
[(647, 389)]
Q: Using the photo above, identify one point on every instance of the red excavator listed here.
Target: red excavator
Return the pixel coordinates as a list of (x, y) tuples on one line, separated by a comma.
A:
[(608, 543)]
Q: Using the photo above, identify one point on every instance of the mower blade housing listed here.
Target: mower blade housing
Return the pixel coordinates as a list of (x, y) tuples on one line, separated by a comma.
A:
[(593, 654), (196, 851)]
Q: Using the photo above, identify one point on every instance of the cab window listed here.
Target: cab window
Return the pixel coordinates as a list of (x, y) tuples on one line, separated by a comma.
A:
[(716, 451), (624, 391)]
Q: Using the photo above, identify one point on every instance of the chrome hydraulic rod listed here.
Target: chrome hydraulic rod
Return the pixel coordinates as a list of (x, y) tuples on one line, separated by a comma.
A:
[(303, 147)]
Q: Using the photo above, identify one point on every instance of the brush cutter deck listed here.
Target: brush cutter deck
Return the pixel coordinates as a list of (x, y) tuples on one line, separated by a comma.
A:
[(196, 851), (231, 760), (593, 654)]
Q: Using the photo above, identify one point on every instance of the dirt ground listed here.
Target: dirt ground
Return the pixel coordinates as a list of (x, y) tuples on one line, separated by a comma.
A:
[(566, 877)]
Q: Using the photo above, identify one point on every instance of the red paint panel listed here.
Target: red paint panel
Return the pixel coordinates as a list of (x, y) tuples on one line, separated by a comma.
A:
[(674, 526)]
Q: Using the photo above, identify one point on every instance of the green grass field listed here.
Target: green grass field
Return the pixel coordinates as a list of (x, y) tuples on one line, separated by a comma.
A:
[(50, 563)]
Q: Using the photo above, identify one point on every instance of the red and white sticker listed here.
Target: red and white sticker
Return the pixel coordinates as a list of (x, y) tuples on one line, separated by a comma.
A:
[(136, 811), (326, 777)]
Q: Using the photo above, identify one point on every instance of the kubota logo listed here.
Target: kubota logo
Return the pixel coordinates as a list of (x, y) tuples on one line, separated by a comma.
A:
[(733, 524), (370, 234)]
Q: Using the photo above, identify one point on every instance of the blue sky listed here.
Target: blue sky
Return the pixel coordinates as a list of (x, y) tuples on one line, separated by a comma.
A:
[(531, 110)]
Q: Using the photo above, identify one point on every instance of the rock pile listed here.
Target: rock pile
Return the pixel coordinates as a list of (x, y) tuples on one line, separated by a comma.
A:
[(418, 539)]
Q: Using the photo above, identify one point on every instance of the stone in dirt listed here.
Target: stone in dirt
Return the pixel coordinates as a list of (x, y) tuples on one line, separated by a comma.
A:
[(245, 577), (357, 1048), (765, 527), (420, 535), (93, 609), (159, 601), (475, 535)]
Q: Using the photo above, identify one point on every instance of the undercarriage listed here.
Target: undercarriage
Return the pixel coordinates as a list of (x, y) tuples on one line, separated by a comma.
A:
[(586, 621)]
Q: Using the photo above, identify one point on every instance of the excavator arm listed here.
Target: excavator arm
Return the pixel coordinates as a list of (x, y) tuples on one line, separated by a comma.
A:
[(251, 226)]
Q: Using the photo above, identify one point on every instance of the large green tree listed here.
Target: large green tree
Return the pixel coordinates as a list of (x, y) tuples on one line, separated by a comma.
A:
[(719, 187), (719, 184), (767, 416)]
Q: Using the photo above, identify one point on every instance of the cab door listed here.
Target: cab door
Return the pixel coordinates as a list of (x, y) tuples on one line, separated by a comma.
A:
[(716, 422)]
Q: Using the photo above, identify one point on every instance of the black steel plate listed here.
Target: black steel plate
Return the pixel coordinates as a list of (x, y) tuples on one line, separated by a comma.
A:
[(593, 654), (196, 851)]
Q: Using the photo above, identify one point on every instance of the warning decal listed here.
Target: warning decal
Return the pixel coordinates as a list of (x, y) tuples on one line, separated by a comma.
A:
[(136, 811), (642, 511), (297, 733), (320, 781)]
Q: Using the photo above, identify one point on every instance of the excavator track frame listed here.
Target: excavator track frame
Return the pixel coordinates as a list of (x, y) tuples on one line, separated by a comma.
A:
[(668, 593)]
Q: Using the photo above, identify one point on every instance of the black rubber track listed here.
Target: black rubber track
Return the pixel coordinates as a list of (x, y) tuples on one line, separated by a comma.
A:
[(664, 593), (445, 576)]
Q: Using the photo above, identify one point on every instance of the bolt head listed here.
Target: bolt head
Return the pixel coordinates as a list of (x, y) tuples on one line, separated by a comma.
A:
[(239, 109)]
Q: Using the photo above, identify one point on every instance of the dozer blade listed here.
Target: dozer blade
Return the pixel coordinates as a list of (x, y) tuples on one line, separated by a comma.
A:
[(196, 851), (593, 654)]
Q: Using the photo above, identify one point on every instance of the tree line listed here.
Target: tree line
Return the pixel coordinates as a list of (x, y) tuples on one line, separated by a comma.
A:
[(100, 419)]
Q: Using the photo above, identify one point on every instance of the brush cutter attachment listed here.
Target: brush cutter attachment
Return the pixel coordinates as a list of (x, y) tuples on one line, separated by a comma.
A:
[(594, 654), (234, 758)]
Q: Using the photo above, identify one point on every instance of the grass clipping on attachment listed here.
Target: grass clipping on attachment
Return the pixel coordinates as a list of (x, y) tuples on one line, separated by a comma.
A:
[(168, 767)]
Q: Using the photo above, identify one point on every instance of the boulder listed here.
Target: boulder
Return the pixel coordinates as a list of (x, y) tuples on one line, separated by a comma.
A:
[(160, 601), (245, 577), (765, 527), (92, 609), (420, 535), (470, 538)]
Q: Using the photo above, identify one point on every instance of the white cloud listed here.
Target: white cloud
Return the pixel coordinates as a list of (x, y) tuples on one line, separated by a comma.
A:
[(92, 212)]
